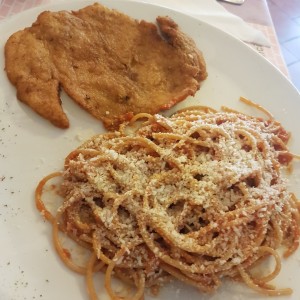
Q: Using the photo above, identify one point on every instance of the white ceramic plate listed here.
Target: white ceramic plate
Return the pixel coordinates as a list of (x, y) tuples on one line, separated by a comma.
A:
[(31, 147)]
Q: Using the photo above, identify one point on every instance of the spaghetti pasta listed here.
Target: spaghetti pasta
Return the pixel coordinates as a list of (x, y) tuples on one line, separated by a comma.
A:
[(196, 196)]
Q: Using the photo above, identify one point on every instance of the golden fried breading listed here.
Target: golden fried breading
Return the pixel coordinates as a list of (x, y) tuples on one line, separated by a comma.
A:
[(110, 64)]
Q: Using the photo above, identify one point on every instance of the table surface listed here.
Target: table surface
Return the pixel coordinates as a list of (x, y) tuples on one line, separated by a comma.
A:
[(254, 12)]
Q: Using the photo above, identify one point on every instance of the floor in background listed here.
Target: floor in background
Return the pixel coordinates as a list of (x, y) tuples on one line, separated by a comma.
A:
[(286, 19)]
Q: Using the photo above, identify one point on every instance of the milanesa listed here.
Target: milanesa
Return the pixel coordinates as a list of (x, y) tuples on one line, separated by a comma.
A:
[(113, 66)]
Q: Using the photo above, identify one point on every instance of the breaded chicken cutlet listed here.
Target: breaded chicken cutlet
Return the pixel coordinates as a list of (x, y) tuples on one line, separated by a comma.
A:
[(110, 64)]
